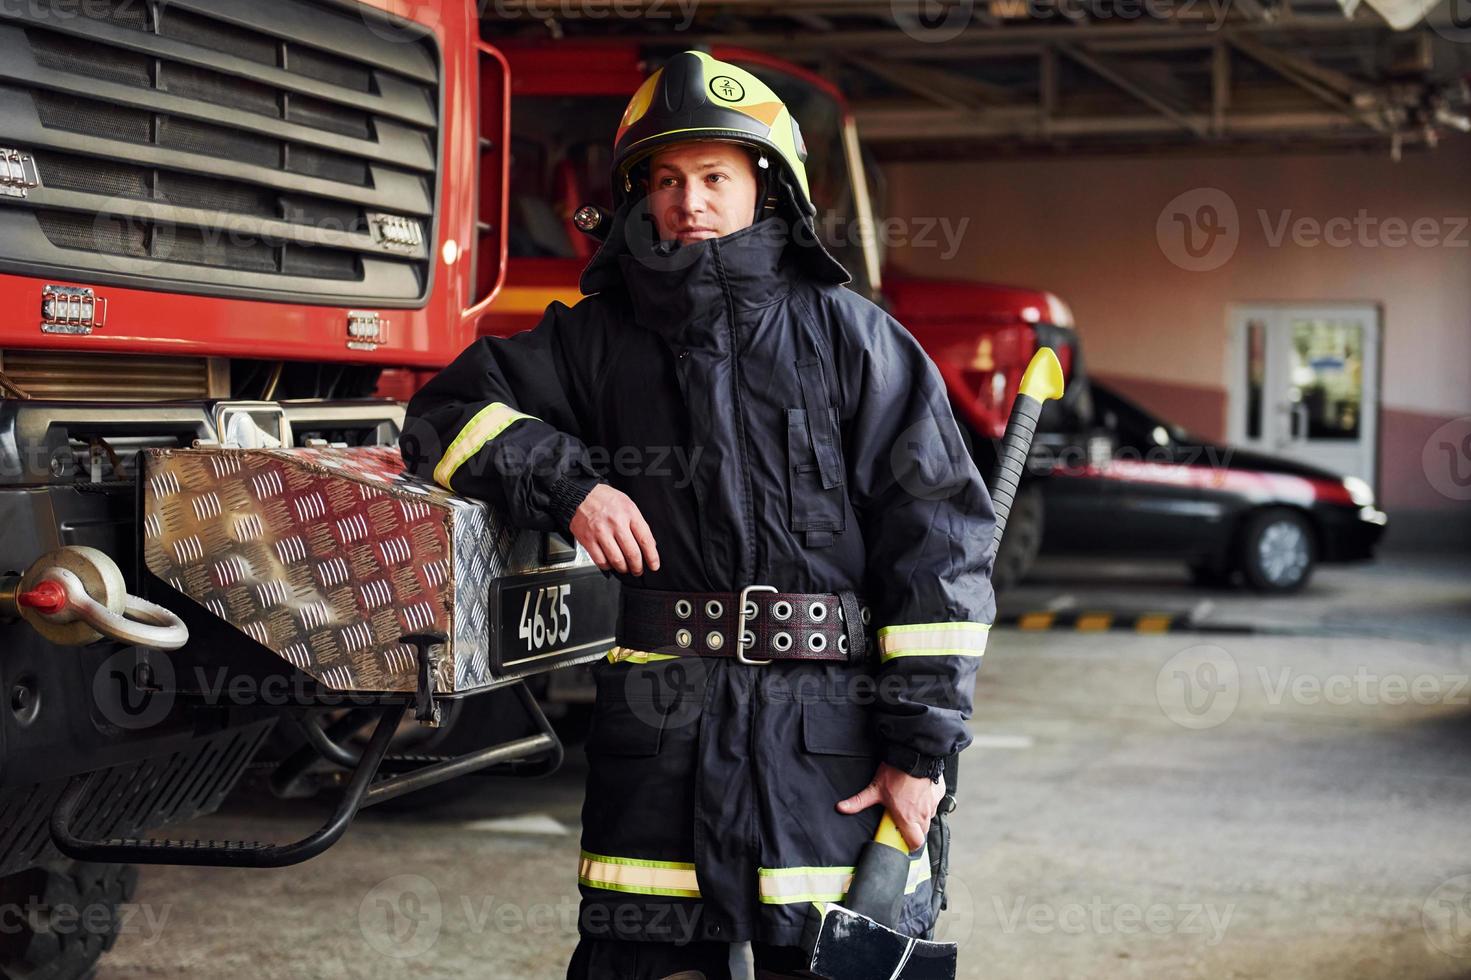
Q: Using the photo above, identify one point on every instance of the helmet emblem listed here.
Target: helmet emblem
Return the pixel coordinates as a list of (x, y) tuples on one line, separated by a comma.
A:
[(726, 88)]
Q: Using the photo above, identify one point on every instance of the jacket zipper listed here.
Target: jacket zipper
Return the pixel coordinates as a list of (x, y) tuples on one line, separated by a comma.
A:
[(746, 575)]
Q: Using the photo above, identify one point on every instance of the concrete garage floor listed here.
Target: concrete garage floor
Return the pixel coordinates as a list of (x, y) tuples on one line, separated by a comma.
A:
[(1177, 805)]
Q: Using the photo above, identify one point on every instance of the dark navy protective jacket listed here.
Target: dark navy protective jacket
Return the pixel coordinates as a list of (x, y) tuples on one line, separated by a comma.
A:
[(776, 428)]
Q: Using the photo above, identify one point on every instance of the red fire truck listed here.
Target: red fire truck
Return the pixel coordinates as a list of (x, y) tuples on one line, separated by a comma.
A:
[(220, 222)]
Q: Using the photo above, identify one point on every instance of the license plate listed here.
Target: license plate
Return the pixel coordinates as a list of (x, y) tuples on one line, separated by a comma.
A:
[(551, 617)]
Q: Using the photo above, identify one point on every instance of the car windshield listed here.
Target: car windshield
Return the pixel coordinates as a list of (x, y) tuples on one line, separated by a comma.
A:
[(1133, 423)]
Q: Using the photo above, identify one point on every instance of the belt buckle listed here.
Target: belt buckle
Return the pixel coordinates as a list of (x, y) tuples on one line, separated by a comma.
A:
[(741, 624)]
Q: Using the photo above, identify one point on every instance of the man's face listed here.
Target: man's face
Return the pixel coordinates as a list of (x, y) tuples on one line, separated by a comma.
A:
[(701, 190)]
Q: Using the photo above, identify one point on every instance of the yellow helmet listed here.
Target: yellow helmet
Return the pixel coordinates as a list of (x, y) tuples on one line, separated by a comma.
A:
[(696, 97)]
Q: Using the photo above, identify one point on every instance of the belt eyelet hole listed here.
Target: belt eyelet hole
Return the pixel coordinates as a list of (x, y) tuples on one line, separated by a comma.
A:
[(683, 608), (749, 610), (781, 642), (781, 609), (866, 615), (842, 644), (714, 640), (817, 642), (817, 611), (683, 637), (713, 609), (748, 640)]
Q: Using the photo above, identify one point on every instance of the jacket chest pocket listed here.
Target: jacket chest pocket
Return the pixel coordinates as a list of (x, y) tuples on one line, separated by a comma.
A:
[(815, 481)]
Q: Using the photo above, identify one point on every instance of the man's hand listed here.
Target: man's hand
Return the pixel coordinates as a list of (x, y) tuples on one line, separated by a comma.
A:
[(910, 800), (608, 524)]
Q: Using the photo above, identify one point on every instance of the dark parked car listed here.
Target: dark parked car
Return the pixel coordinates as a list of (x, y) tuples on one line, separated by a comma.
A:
[(1137, 486)]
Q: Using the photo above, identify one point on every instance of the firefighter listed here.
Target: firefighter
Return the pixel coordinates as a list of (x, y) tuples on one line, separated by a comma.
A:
[(769, 464)]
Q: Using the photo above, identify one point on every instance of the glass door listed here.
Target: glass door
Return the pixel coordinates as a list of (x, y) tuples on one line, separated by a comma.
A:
[(1304, 384)]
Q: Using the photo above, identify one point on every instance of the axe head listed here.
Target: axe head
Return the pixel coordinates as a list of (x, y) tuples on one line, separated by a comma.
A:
[(846, 945)]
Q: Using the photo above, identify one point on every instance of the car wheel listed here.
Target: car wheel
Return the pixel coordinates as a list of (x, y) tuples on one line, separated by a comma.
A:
[(1022, 540), (1278, 551)]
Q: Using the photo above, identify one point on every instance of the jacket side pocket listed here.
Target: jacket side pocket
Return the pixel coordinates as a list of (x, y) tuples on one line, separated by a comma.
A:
[(630, 713), (623, 728), (837, 729)]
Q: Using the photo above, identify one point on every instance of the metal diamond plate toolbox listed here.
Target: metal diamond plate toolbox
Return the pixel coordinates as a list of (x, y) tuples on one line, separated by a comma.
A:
[(328, 556)]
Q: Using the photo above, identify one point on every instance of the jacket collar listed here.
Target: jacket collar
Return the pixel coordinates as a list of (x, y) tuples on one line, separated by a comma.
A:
[(673, 288)]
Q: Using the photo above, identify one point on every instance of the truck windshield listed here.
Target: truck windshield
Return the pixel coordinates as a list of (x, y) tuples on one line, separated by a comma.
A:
[(561, 154), (821, 119)]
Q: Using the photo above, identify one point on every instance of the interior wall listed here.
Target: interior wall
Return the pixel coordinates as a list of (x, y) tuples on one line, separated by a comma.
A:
[(1154, 318)]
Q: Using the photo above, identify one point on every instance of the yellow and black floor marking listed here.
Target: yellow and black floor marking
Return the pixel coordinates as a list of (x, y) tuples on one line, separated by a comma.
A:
[(1101, 621)]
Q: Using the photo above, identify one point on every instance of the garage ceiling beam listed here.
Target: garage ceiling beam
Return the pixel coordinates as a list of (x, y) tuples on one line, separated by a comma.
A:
[(1329, 87), (1004, 82), (1251, 9), (909, 125), (932, 84), (1046, 90), (1295, 64), (812, 22), (1120, 78), (977, 37), (1220, 88), (1357, 140), (1166, 41)]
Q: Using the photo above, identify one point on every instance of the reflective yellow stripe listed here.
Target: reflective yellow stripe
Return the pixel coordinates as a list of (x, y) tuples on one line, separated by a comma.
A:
[(1093, 622), (488, 423), (533, 299), (790, 886), (919, 871), (620, 654), (638, 877), (933, 640)]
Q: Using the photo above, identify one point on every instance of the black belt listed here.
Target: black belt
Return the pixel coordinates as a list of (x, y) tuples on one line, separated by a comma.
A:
[(777, 625)]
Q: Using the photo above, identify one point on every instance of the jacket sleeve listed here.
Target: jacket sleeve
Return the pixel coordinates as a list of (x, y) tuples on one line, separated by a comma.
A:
[(927, 524), (500, 423)]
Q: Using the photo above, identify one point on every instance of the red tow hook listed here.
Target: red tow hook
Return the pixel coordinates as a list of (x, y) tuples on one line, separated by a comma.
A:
[(47, 598)]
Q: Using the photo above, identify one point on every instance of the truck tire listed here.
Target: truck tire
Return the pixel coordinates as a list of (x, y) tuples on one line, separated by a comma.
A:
[(1022, 541), (1278, 551), (54, 929)]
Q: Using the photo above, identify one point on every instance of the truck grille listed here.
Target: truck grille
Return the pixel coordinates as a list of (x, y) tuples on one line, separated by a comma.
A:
[(277, 149), (89, 376)]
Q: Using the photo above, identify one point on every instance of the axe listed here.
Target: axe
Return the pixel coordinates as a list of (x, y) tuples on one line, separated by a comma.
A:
[(855, 939)]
